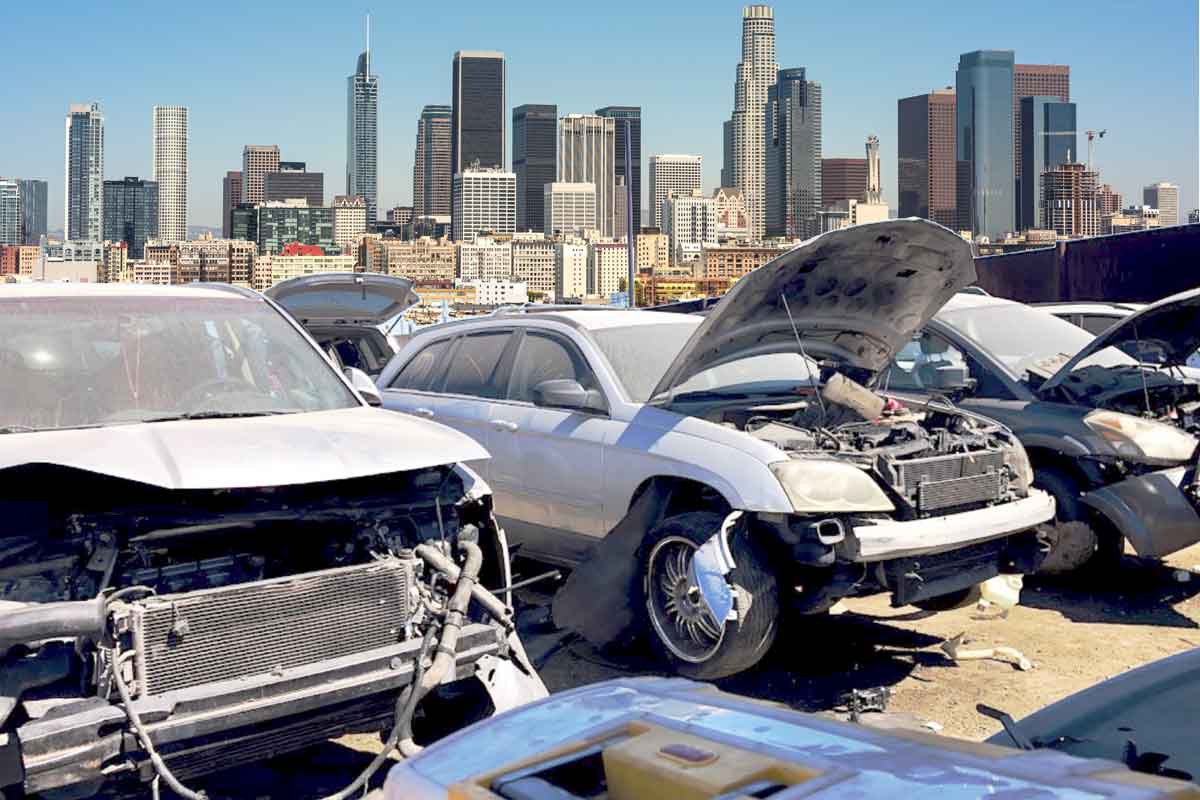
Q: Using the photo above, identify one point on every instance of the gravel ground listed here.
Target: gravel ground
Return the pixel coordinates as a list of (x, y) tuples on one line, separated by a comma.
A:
[(1076, 633)]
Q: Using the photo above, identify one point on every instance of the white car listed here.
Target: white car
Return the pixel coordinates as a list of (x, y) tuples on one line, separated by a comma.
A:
[(629, 439)]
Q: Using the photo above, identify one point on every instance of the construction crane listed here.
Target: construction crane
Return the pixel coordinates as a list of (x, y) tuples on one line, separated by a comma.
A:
[(1092, 136)]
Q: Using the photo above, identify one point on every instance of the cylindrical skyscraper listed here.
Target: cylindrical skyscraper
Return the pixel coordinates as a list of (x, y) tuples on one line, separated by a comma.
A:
[(755, 76), (171, 171)]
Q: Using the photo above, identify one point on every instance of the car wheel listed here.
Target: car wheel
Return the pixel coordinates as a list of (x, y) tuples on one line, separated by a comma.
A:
[(680, 626), (1079, 541)]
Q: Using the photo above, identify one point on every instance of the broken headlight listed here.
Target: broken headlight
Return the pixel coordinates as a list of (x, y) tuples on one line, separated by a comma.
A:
[(1017, 460), (821, 486), (1142, 440)]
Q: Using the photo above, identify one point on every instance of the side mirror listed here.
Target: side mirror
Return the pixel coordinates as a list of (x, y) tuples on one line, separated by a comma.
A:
[(569, 394), (364, 386), (949, 378)]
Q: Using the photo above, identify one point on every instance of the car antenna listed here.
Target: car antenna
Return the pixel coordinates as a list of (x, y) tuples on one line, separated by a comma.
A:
[(804, 355), (1141, 370)]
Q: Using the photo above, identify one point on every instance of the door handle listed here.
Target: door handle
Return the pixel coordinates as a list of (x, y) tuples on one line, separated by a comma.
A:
[(504, 425), (423, 412)]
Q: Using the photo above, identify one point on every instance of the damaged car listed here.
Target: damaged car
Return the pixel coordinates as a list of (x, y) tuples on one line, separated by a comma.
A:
[(705, 475), (1111, 436), (213, 551)]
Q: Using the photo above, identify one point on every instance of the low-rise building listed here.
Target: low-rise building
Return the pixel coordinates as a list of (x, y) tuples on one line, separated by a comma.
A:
[(1135, 218), (844, 213), (117, 268), (652, 250), (421, 260), (732, 262), (691, 223), (533, 263), (349, 222), (28, 256), (732, 222), (499, 293), (286, 267), (484, 258), (608, 268), (570, 270)]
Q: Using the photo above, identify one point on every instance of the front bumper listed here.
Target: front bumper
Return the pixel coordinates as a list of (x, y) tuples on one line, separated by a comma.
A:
[(884, 540), (1152, 511)]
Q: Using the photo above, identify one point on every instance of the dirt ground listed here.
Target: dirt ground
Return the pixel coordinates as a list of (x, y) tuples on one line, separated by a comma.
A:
[(1075, 632)]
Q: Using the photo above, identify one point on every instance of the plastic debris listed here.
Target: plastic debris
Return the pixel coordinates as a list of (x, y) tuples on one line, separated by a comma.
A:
[(936, 727), (1182, 575), (953, 648)]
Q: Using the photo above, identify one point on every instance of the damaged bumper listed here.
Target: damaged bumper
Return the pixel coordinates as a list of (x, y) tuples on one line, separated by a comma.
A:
[(1152, 511)]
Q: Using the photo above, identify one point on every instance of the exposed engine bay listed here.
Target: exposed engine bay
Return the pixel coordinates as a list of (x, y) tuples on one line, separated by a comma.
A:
[(271, 617), (1163, 394)]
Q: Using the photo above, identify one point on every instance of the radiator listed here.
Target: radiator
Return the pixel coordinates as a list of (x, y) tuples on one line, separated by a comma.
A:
[(959, 479), (201, 637), (936, 495)]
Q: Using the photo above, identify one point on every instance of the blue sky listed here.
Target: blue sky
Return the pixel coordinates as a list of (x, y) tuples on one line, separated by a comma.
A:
[(268, 72)]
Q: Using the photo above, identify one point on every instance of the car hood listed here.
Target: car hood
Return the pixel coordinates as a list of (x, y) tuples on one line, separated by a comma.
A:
[(855, 295), (248, 452), (1169, 325), (354, 297)]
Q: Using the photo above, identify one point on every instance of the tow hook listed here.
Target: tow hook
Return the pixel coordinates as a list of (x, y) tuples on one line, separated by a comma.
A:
[(709, 574)]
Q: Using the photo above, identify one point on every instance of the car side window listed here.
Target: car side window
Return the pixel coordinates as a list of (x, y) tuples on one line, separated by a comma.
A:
[(915, 365), (474, 368), (416, 373), (1095, 324), (544, 357)]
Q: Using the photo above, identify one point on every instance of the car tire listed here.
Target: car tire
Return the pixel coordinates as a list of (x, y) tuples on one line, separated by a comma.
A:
[(680, 630), (1102, 544)]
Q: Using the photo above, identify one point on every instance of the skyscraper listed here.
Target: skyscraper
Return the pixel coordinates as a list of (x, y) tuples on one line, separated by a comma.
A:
[(431, 163), (534, 154), (84, 212), (586, 154), (671, 173), (746, 143), (793, 156), (1069, 200), (1164, 197), (984, 113), (10, 212), (171, 171), (628, 117), (926, 157), (231, 198), (1047, 141), (258, 160), (874, 186), (33, 209), (131, 213), (477, 110), (362, 131), (293, 181), (842, 179), (1034, 80)]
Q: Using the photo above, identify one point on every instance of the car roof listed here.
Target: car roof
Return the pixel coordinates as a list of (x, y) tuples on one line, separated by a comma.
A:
[(39, 289), (1091, 306), (966, 300), (591, 319)]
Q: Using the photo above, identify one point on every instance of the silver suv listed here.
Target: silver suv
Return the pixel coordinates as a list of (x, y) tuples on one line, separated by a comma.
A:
[(713, 471)]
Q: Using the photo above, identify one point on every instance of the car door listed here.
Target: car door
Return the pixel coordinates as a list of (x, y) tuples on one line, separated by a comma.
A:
[(548, 463)]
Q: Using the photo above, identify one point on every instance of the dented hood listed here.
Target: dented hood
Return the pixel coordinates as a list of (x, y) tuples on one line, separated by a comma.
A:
[(248, 452), (856, 296), (1169, 327)]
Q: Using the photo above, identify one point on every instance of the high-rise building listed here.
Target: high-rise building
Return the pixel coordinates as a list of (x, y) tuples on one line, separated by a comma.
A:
[(691, 222), (793, 156), (258, 161), (984, 113), (1034, 80), (568, 208), (534, 154), (293, 181), (628, 117), (171, 171), (362, 131), (926, 157), (587, 154), (231, 198), (349, 222), (484, 202), (477, 110), (132, 213), (745, 139), (33, 209), (842, 179), (671, 173), (874, 193), (280, 224), (10, 213), (1069, 201), (1047, 140), (84, 195), (431, 163), (1164, 197), (1108, 200)]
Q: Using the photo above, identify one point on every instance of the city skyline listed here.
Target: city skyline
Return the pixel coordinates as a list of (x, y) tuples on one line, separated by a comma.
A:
[(683, 106)]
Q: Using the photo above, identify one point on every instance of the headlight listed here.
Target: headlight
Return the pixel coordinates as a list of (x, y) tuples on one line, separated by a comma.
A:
[(1018, 461), (822, 486), (1140, 439)]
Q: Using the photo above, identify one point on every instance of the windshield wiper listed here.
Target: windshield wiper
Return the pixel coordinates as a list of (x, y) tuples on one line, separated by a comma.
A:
[(193, 415), (16, 428)]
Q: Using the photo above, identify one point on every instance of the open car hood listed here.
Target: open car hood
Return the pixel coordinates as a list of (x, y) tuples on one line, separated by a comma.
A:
[(249, 452), (856, 295), (347, 297), (1168, 327)]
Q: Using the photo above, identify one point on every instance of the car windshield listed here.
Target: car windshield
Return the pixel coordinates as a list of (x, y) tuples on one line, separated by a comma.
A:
[(85, 361), (641, 354), (1020, 337)]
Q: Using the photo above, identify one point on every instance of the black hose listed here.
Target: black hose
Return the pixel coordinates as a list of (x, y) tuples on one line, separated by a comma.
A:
[(52, 621)]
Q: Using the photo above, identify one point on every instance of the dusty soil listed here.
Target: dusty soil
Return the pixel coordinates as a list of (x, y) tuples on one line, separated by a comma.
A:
[(1076, 632)]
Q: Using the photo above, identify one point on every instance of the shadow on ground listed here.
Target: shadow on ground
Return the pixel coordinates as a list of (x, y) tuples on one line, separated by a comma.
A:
[(1139, 592)]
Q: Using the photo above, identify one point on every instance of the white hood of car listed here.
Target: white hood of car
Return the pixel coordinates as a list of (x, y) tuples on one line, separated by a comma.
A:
[(248, 452), (855, 295)]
